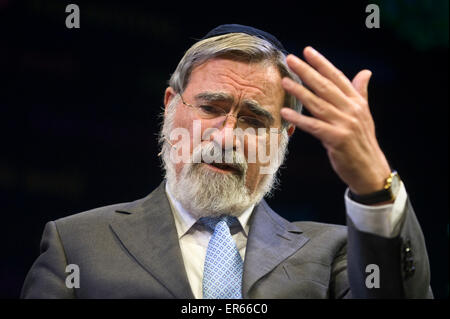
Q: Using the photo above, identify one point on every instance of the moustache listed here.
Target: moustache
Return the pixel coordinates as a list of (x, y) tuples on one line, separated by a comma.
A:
[(227, 159)]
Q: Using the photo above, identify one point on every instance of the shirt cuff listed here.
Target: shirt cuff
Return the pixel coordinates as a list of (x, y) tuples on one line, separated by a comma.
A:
[(379, 220)]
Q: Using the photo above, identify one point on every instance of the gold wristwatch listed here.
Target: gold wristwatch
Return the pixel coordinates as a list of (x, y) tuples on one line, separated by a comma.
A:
[(387, 194)]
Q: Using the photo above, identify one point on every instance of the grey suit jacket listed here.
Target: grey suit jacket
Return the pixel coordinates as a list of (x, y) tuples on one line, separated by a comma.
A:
[(132, 251)]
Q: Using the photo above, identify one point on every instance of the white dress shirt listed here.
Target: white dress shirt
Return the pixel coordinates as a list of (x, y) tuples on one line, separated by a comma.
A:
[(379, 220), (194, 238)]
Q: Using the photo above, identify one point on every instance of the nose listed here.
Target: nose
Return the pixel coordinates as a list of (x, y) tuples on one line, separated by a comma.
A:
[(225, 133)]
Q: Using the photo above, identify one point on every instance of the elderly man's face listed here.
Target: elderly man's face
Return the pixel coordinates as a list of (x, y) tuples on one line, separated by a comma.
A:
[(242, 82)]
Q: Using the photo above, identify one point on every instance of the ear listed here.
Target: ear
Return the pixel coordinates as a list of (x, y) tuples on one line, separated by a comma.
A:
[(169, 94), (291, 129)]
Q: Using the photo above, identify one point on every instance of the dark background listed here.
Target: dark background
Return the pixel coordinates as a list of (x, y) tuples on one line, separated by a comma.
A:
[(79, 108)]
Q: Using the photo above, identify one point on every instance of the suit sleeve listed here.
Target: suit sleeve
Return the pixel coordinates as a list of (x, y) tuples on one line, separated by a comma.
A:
[(402, 261), (46, 278)]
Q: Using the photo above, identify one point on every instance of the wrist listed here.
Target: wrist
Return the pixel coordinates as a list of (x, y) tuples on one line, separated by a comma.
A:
[(384, 194), (372, 182)]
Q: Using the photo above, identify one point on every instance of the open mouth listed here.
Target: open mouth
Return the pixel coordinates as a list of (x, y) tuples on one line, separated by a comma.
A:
[(225, 167)]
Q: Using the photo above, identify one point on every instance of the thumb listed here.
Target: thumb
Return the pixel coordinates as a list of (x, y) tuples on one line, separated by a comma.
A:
[(361, 82)]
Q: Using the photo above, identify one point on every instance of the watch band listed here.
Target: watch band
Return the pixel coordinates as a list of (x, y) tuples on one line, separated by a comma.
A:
[(384, 195), (372, 198)]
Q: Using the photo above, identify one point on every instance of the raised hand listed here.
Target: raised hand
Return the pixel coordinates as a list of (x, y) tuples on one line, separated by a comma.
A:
[(341, 120)]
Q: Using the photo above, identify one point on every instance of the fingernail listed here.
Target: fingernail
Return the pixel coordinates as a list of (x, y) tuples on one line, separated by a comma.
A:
[(294, 58), (285, 111), (287, 83), (313, 51)]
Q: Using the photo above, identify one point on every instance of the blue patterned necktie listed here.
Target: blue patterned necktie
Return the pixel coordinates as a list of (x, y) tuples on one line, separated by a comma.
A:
[(222, 273)]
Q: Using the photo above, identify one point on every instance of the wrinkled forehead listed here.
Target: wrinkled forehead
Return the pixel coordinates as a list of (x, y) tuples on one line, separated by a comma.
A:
[(260, 81)]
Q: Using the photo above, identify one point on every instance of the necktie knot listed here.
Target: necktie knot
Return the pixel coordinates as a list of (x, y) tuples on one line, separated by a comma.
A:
[(211, 222)]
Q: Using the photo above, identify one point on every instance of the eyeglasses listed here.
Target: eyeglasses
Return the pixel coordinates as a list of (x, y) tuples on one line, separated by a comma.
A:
[(249, 124)]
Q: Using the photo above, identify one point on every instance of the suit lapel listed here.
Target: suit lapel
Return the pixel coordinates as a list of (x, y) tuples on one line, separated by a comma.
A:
[(149, 234), (271, 240)]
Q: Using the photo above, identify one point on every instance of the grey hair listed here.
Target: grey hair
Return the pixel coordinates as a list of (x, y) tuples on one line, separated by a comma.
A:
[(238, 47)]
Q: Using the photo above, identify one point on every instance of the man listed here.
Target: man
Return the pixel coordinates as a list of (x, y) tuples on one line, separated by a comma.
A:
[(206, 231)]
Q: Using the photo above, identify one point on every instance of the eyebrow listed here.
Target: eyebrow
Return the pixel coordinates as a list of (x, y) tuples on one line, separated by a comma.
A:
[(251, 105), (214, 97), (254, 107)]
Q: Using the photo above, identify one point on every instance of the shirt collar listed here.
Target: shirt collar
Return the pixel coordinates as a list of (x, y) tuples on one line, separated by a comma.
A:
[(184, 220)]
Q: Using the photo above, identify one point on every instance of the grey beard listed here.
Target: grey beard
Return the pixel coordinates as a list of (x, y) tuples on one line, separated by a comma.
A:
[(205, 192)]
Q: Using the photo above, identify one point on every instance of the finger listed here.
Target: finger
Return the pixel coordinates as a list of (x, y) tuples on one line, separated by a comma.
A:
[(319, 84), (317, 106), (328, 70), (361, 82), (323, 131)]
